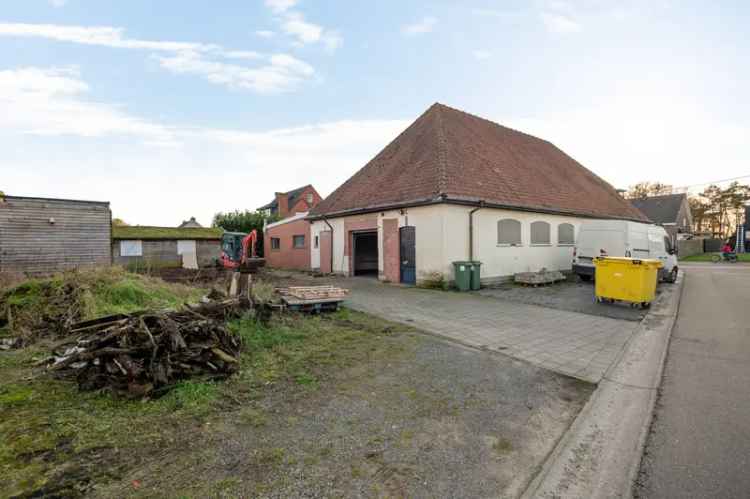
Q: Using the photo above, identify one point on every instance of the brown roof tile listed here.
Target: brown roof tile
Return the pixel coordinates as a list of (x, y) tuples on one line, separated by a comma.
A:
[(452, 156)]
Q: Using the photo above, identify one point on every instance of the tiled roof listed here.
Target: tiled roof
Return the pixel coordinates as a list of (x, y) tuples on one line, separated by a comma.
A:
[(291, 196), (448, 155), (145, 232), (661, 209)]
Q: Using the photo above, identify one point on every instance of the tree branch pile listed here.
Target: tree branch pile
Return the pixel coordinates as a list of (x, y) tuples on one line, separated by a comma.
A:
[(145, 354)]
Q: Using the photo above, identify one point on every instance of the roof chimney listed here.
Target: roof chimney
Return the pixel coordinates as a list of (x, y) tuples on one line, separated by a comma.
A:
[(283, 202)]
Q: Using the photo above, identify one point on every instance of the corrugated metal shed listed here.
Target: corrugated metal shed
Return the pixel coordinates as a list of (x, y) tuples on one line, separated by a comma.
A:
[(39, 235)]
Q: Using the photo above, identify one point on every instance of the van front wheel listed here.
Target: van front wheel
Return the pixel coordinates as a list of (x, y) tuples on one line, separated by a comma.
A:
[(672, 277)]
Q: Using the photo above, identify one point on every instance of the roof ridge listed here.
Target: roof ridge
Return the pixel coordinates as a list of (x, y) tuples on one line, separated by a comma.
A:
[(442, 151)]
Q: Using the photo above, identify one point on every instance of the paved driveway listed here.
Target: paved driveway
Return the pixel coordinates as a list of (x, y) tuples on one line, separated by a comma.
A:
[(572, 343), (569, 295)]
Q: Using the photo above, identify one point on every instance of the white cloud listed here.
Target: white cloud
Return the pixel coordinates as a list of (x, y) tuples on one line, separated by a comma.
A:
[(481, 55), (265, 33), (107, 153), (425, 25), (639, 132), (51, 101), (280, 73), (560, 23), (280, 6), (105, 36), (294, 24), (270, 74), (58, 3)]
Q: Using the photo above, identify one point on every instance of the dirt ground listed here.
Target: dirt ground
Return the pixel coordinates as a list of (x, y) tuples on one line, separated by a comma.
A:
[(339, 405), (432, 420)]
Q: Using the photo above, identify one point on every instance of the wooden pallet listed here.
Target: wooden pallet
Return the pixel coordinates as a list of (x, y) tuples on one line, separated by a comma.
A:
[(313, 292), (312, 299), (312, 306)]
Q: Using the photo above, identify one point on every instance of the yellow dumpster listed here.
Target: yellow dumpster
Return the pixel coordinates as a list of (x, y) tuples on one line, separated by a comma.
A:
[(626, 279)]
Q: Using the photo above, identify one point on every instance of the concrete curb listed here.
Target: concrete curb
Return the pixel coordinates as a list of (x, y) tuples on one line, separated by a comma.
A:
[(600, 455)]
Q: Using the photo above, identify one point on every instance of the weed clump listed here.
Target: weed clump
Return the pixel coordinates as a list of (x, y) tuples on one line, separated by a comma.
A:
[(50, 305)]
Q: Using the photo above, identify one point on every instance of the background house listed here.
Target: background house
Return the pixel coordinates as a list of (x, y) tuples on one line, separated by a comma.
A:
[(286, 204), (287, 243), (192, 223), (39, 235), (165, 246), (452, 187), (671, 211)]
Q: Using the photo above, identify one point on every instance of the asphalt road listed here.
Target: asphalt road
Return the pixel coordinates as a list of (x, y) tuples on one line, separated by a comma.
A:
[(699, 445)]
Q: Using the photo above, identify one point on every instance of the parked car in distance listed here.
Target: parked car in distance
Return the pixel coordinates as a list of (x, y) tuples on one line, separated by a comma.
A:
[(625, 239)]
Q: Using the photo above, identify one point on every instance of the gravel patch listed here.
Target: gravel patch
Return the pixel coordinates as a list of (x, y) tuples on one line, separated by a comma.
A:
[(566, 295)]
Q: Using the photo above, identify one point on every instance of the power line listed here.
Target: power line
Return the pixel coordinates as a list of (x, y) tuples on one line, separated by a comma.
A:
[(712, 182)]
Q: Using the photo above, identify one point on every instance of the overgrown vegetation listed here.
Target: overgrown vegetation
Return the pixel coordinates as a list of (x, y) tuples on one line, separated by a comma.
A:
[(37, 304), (434, 280), (57, 441)]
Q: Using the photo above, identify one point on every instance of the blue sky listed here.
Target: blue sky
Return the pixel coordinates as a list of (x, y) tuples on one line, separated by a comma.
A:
[(171, 111)]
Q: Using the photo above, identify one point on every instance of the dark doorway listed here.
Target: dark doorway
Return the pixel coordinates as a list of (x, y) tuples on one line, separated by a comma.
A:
[(407, 247), (365, 253)]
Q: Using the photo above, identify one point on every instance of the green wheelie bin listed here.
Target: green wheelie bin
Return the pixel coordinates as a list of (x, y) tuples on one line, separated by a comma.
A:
[(462, 275), (476, 274)]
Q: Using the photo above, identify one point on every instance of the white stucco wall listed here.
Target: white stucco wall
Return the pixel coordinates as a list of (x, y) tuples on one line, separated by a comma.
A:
[(442, 236), (501, 260)]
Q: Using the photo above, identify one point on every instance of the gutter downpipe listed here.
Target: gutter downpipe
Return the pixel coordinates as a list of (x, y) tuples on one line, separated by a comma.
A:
[(330, 227), (471, 230)]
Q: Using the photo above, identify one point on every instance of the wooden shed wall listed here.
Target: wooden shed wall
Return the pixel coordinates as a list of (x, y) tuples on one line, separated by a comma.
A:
[(79, 237)]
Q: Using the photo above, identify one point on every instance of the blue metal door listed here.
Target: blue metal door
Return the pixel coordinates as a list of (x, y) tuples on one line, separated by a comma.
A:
[(408, 252)]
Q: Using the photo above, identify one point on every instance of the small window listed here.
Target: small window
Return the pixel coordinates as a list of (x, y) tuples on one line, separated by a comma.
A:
[(275, 243), (298, 241), (317, 241), (309, 198), (509, 232), (131, 248), (566, 234), (540, 233)]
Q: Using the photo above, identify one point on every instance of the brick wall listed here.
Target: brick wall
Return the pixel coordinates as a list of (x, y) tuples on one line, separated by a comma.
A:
[(391, 251), (287, 256)]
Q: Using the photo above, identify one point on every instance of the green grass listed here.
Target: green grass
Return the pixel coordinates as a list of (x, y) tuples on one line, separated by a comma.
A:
[(86, 295), (147, 232), (54, 437), (706, 257)]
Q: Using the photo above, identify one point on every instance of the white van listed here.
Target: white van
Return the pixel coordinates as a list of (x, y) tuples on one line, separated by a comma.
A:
[(623, 238)]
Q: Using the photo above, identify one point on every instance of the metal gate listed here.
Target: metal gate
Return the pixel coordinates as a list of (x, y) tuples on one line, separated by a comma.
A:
[(408, 251)]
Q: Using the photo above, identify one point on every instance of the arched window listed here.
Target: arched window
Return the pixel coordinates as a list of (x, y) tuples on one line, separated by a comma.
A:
[(509, 232), (566, 234), (540, 233)]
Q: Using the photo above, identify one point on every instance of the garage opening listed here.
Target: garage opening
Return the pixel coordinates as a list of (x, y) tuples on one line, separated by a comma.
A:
[(365, 253)]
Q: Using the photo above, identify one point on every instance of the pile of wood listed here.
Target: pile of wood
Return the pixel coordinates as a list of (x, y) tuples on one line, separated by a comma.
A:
[(309, 293), (145, 354)]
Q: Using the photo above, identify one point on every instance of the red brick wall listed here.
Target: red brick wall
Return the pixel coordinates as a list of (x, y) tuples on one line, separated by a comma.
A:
[(301, 205), (365, 222), (288, 257), (325, 251), (391, 250)]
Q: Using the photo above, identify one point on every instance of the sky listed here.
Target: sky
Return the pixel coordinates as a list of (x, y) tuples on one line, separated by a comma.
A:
[(176, 109)]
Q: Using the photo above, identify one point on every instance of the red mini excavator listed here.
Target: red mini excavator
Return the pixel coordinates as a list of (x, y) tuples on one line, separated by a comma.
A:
[(238, 251)]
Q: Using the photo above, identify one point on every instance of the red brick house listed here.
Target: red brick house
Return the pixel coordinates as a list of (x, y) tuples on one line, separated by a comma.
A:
[(454, 187), (287, 243), (287, 204)]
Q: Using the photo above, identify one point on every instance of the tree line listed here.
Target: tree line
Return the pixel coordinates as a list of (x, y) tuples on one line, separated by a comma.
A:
[(716, 209)]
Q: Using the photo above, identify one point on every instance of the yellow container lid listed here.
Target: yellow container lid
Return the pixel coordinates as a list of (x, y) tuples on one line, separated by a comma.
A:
[(623, 260)]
